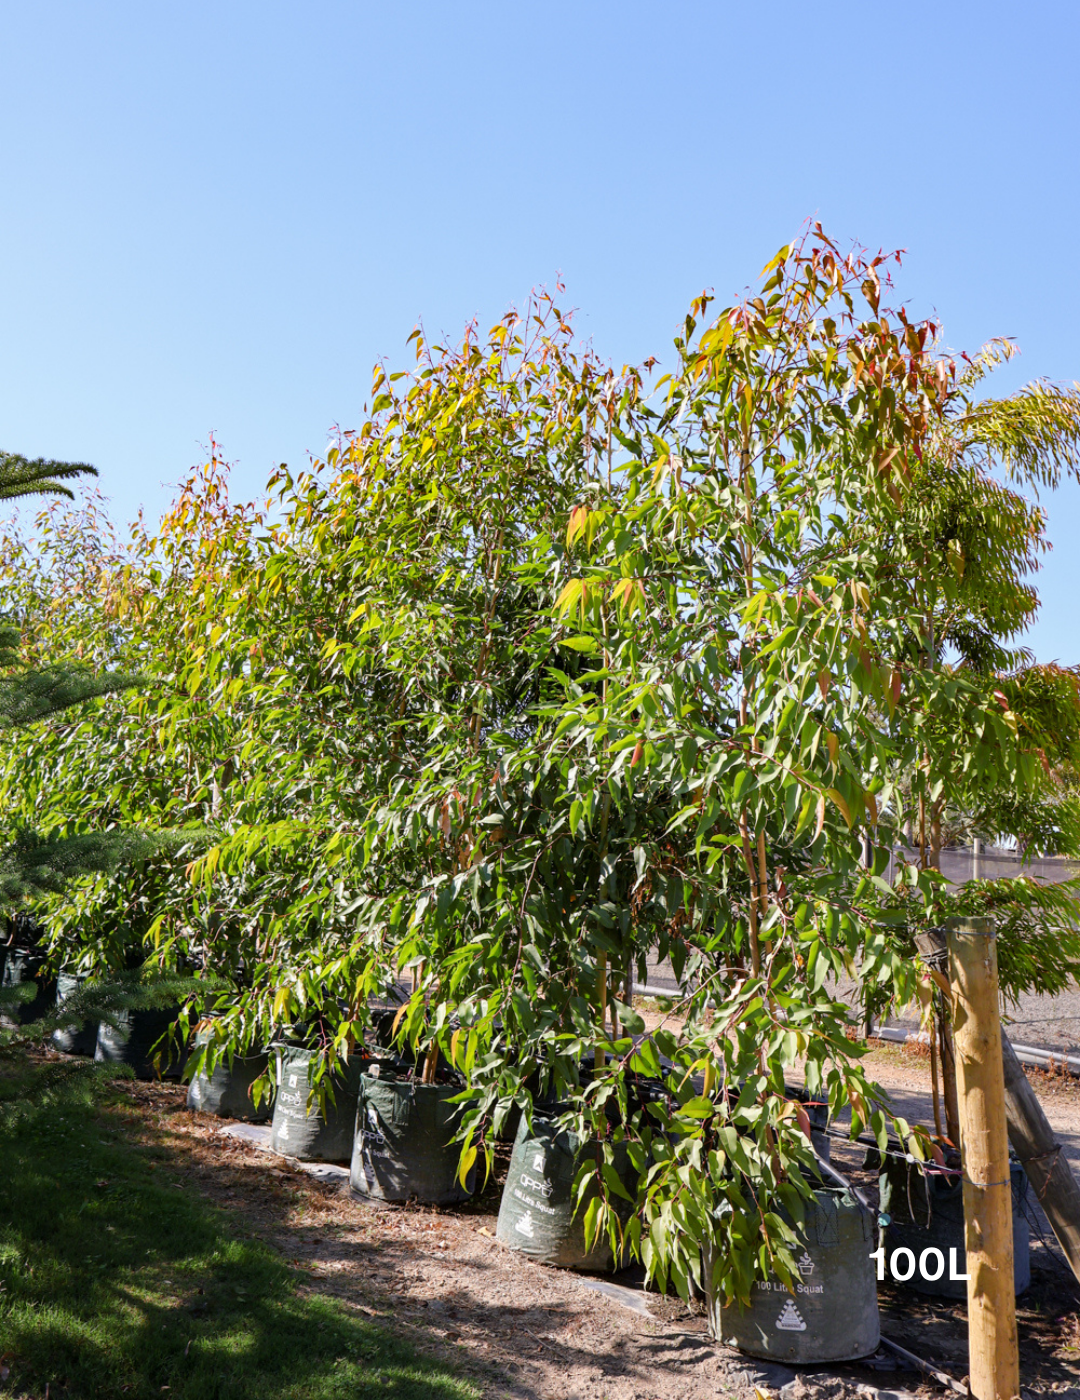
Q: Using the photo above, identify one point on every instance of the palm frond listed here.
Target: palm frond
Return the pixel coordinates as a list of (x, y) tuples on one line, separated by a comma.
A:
[(1034, 434)]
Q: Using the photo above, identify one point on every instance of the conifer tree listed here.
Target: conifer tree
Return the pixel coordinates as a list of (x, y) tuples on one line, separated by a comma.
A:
[(31, 863)]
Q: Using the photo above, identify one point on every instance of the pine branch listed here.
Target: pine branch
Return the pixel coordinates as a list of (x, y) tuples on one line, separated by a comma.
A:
[(21, 477), (32, 864), (11, 998), (25, 1084), (10, 637), (108, 1001), (29, 696), (44, 1085)]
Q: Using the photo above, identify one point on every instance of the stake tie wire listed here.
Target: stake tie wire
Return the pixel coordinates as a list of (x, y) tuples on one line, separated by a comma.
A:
[(1052, 1154), (1042, 1156)]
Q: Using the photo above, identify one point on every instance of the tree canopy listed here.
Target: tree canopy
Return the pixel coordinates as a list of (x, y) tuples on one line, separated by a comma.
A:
[(549, 670)]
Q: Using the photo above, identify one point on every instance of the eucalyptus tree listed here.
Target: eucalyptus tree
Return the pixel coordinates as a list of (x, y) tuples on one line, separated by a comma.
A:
[(404, 648), (743, 703)]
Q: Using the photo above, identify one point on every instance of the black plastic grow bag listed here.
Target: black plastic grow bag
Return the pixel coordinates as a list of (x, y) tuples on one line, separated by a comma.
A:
[(227, 1091), (832, 1314), (134, 1042), (925, 1206), (24, 965)]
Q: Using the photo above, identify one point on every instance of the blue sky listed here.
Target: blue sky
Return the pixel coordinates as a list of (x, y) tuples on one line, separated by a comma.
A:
[(215, 218)]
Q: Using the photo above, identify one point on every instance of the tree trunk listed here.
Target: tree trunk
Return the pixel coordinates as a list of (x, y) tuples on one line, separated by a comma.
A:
[(947, 1051)]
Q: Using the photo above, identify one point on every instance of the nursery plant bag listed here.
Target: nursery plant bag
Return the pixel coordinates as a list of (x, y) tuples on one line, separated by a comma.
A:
[(134, 1042), (21, 966), (404, 1146), (536, 1215), (227, 1091), (78, 1039), (832, 1314), (925, 1207), (313, 1134)]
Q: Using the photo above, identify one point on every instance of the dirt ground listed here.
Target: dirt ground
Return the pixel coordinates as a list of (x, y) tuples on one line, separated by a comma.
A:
[(521, 1330)]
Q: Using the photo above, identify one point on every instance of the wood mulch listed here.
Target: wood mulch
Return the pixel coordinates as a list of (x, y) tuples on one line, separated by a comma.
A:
[(521, 1330)]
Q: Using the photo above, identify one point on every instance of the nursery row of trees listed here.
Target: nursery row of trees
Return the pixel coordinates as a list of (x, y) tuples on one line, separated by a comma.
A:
[(548, 669)]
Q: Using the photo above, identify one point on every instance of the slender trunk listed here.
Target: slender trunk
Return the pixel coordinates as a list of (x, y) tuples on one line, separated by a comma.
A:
[(948, 1080), (751, 871), (922, 832), (605, 813), (763, 880), (485, 646), (601, 997), (431, 1060), (935, 1090), (930, 858), (755, 870), (935, 835)]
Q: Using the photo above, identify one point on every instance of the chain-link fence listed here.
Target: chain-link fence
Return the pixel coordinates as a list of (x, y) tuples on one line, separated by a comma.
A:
[(961, 864), (1052, 1023)]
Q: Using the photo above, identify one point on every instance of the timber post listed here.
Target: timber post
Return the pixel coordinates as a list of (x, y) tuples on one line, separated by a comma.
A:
[(994, 1367), (1040, 1152)]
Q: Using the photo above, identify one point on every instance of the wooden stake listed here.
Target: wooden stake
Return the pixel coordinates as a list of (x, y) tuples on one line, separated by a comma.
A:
[(1048, 1170), (994, 1365)]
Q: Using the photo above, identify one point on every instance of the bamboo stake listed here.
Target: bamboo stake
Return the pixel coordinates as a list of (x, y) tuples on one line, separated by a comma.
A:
[(993, 1360)]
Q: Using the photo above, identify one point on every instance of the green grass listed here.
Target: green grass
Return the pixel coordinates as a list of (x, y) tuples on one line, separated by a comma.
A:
[(114, 1283)]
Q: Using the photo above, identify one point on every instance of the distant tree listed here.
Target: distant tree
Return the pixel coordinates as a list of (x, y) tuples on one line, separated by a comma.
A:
[(32, 863), (21, 477)]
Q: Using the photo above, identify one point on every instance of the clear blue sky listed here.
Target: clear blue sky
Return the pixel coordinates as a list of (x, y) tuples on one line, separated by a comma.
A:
[(217, 216)]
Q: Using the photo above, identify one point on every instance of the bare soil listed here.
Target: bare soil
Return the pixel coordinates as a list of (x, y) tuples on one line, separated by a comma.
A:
[(521, 1330)]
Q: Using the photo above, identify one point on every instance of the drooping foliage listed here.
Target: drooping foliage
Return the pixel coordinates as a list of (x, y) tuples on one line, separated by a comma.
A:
[(550, 671)]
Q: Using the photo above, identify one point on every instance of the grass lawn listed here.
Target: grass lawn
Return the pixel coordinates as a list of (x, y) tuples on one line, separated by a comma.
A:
[(115, 1283)]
